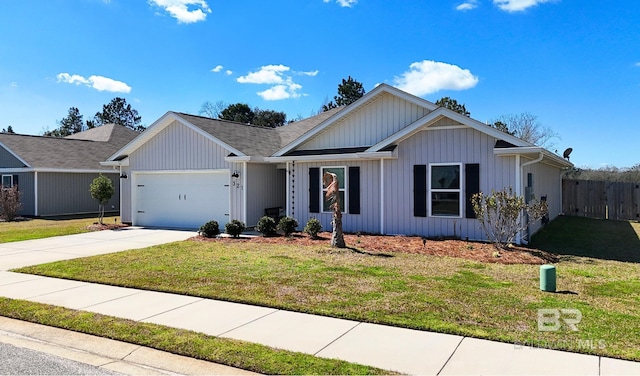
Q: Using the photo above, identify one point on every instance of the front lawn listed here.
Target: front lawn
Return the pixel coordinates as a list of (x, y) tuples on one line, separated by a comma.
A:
[(437, 293), (44, 228)]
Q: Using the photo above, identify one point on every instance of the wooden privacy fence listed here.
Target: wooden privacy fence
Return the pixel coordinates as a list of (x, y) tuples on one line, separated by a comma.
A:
[(601, 199)]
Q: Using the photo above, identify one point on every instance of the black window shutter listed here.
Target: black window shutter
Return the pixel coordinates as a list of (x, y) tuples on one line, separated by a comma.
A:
[(420, 190), (15, 181), (314, 190), (354, 190), (471, 186)]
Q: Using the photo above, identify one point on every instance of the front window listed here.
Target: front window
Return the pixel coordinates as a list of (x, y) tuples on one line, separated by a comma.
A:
[(342, 184), (445, 191), (7, 181)]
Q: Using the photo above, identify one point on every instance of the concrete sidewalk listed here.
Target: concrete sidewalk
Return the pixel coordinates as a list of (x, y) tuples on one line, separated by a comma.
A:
[(391, 348)]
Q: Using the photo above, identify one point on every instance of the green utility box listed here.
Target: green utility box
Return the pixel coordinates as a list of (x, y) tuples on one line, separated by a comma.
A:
[(548, 278)]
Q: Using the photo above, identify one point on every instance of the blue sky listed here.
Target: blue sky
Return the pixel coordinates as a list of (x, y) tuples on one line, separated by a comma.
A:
[(574, 64)]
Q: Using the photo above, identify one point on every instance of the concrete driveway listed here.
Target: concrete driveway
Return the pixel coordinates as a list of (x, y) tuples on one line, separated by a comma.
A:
[(40, 251)]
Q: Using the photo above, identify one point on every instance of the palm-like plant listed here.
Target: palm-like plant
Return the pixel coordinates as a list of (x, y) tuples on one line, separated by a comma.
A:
[(330, 181)]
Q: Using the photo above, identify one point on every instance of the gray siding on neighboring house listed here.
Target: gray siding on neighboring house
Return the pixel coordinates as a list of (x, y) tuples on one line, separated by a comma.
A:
[(8, 160), (547, 181), (266, 188), (68, 193), (461, 145), (177, 148), (25, 186), (368, 125), (369, 218)]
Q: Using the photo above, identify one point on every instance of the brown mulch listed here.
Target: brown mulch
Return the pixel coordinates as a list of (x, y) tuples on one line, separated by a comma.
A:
[(384, 244)]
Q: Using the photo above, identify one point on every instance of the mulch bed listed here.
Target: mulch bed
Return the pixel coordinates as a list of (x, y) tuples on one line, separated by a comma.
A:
[(383, 244), (107, 226)]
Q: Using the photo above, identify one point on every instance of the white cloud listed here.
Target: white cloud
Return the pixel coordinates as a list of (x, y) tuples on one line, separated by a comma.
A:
[(217, 69), (185, 11), (14, 84), (344, 3), (228, 72), (468, 5), (637, 64), (279, 92), (310, 73), (99, 83), (427, 76), (281, 81), (518, 5), (268, 74)]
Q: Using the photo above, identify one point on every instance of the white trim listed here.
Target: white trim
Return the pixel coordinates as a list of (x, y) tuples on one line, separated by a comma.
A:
[(382, 88), (14, 154), (518, 191), (382, 196), (459, 190), (159, 125), (345, 189), (333, 157), (434, 116), (2, 182), (244, 194), (121, 163), (548, 157)]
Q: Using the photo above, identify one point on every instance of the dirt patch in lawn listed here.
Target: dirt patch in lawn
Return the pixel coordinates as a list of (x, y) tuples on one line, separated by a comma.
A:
[(383, 244), (106, 226)]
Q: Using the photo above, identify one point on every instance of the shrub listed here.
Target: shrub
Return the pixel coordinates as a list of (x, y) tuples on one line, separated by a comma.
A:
[(10, 203), (234, 228), (313, 227), (500, 216), (209, 229), (266, 226), (287, 225)]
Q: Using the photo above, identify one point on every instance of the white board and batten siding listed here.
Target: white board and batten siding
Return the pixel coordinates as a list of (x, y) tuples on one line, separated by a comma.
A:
[(457, 145), (266, 188), (369, 218), (176, 149), (375, 121), (547, 181)]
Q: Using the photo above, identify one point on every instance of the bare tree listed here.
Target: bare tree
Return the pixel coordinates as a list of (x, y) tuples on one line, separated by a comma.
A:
[(526, 127), (212, 110)]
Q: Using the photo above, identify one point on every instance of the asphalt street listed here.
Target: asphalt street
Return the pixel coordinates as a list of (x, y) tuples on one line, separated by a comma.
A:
[(21, 361)]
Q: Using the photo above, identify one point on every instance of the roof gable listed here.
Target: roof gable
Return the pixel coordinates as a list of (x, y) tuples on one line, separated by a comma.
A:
[(352, 125), (41, 152), (241, 140)]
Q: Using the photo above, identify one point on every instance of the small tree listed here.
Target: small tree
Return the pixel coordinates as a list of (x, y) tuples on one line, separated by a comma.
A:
[(330, 181), (500, 212), (102, 190), (10, 203)]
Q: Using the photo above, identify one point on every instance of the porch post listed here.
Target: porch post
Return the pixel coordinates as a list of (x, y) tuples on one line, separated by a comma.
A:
[(288, 188), (518, 192), (381, 196)]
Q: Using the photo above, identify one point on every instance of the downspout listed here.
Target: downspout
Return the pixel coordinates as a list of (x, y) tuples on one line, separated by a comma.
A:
[(519, 193), (382, 196)]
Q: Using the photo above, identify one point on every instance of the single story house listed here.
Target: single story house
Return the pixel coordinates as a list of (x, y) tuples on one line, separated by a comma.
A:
[(53, 174), (406, 166)]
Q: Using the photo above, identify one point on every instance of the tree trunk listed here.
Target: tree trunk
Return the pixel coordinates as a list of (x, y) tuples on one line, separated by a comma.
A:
[(337, 237)]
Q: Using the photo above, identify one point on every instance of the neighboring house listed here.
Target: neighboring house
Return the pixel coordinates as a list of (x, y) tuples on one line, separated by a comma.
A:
[(53, 174), (406, 166)]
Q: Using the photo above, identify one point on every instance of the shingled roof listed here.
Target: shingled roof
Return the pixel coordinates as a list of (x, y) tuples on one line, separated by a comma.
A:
[(81, 151), (255, 140)]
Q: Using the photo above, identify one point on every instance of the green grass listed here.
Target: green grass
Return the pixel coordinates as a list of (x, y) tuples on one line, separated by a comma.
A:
[(441, 294), (586, 237), (249, 356), (44, 228)]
